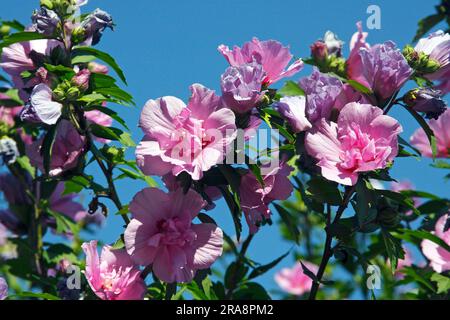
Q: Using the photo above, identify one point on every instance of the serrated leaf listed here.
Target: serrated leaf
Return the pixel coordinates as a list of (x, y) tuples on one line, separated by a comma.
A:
[(291, 88)]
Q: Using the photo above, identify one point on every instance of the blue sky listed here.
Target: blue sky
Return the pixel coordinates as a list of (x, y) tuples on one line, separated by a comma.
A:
[(165, 46)]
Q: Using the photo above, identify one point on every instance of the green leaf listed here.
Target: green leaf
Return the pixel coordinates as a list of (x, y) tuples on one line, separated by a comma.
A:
[(442, 281), (102, 56), (235, 209), (83, 59), (427, 24), (409, 235), (291, 88), (441, 164), (47, 147), (393, 248), (24, 163), (113, 114), (251, 291), (426, 128), (63, 223), (14, 24), (359, 87), (417, 275), (117, 93), (235, 274), (324, 191), (399, 198), (264, 268), (112, 133), (284, 132), (100, 80), (44, 296), (20, 37)]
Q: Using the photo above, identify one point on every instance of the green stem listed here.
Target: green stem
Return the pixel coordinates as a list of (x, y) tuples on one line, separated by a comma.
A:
[(327, 250)]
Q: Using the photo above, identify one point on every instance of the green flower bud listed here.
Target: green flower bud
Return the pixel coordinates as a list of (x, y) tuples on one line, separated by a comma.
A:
[(4, 30), (431, 66), (388, 213), (73, 93), (78, 35), (47, 3), (59, 93)]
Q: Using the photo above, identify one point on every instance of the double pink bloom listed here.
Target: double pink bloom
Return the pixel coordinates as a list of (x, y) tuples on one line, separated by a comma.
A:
[(180, 138), (113, 275), (363, 139), (162, 234)]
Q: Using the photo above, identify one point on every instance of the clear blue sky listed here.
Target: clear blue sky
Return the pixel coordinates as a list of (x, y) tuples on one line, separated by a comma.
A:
[(164, 46)]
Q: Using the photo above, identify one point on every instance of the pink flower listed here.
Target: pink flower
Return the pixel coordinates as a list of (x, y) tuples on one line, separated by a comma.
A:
[(241, 87), (100, 118), (95, 67), (293, 110), (438, 256), (17, 58), (271, 54), (81, 79), (437, 47), (113, 276), (381, 68), (67, 149), (294, 280), (255, 198), (162, 234), (442, 132), (363, 139), (180, 138)]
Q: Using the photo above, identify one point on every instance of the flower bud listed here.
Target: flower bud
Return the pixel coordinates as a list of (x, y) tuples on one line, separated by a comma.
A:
[(45, 21), (47, 4), (81, 79), (78, 35), (334, 45), (4, 30), (388, 213), (73, 93), (94, 25), (426, 100), (319, 50)]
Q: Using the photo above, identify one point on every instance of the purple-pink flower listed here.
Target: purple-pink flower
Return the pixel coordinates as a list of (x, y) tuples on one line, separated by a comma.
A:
[(113, 275), (42, 108), (441, 130), (242, 87), (293, 110), (256, 198), (381, 68), (322, 91), (162, 234), (439, 257), (180, 138), (67, 149), (294, 280), (3, 289), (437, 47), (363, 139), (270, 54)]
